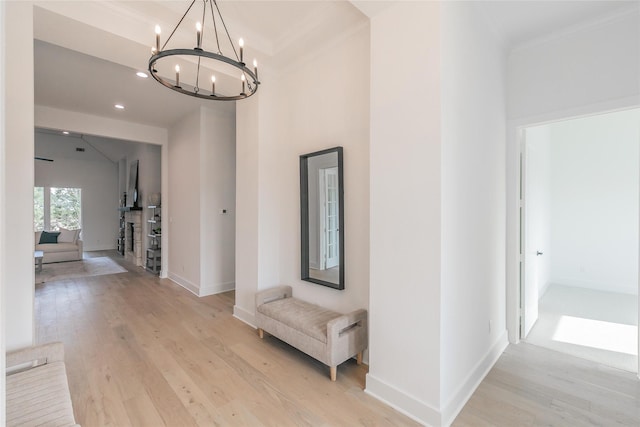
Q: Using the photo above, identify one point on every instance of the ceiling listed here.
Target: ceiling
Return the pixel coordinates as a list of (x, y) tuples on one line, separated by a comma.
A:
[(523, 22), (54, 145), (93, 72), (74, 81)]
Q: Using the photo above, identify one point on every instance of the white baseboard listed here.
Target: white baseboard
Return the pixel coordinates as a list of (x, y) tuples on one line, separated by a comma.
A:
[(190, 286), (244, 315), (473, 380), (426, 414), (402, 402), (202, 291), (216, 288)]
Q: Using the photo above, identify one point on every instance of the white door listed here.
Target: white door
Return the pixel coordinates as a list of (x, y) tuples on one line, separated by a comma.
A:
[(332, 225), (535, 208)]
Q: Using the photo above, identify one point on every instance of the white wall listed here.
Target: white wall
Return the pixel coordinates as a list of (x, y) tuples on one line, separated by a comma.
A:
[(218, 192), (184, 206), (473, 328), (249, 119), (405, 209), (18, 174), (3, 264), (273, 131), (98, 181), (591, 70), (202, 170), (595, 171), (257, 264), (591, 65), (308, 121)]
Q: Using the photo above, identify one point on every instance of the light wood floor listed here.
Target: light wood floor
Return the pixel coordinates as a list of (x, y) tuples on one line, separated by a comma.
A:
[(142, 351), (534, 386)]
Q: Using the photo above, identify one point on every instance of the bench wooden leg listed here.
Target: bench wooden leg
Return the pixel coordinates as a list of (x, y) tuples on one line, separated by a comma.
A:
[(359, 358), (334, 372), (260, 333)]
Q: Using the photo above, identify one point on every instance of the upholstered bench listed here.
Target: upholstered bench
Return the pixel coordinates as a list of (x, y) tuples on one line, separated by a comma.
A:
[(38, 395), (325, 335)]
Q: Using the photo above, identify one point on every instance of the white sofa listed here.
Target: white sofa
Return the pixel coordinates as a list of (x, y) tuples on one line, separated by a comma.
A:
[(58, 252)]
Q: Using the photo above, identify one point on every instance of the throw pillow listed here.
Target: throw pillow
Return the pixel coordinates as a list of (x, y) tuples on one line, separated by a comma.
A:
[(49, 237), (67, 236)]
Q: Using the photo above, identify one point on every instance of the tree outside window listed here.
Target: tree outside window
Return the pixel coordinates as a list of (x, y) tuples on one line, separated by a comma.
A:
[(56, 207), (38, 208)]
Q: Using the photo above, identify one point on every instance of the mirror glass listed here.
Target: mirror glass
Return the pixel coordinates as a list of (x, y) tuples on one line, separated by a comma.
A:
[(322, 218)]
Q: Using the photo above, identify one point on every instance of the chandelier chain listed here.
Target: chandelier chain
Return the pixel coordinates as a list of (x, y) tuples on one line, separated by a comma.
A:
[(204, 11), (180, 22), (215, 26), (226, 31)]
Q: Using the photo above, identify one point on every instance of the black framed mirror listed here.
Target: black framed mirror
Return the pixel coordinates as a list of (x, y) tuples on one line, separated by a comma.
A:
[(322, 218)]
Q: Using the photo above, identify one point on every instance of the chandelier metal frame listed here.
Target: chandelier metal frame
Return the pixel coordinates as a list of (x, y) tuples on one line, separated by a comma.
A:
[(249, 76)]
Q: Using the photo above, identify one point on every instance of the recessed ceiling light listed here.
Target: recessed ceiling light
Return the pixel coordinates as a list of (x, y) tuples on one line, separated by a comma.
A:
[(119, 106), (142, 74), (65, 132)]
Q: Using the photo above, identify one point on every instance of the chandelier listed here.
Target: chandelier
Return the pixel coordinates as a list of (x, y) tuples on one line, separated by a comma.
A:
[(205, 74)]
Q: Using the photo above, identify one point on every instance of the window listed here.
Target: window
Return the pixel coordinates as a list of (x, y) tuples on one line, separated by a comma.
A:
[(56, 207), (38, 208)]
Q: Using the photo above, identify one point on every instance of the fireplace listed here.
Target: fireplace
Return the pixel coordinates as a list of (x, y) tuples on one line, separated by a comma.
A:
[(133, 237)]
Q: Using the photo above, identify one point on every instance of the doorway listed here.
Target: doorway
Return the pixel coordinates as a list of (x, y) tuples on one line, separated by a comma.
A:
[(579, 237)]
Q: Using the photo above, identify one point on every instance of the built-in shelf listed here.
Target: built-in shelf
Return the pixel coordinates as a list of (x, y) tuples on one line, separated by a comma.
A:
[(154, 252), (121, 233), (129, 208)]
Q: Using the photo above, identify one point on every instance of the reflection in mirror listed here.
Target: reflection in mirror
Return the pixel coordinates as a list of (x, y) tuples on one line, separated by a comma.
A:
[(322, 217)]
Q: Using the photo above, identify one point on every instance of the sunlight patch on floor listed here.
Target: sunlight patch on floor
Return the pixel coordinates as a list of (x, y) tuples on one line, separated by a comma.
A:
[(597, 334)]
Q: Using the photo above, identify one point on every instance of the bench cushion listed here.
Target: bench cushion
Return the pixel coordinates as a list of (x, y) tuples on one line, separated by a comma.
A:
[(39, 396), (307, 318)]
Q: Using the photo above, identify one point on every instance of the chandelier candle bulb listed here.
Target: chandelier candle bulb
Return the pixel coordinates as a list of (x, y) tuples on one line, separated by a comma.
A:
[(199, 35), (177, 76), (255, 68), (157, 38), (241, 44), (242, 78), (213, 85)]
